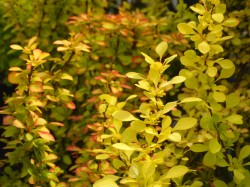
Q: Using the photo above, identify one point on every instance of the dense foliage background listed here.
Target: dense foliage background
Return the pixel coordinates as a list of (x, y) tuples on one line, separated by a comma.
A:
[(124, 93)]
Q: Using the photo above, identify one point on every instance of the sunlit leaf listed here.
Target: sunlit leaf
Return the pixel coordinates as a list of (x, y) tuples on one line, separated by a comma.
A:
[(232, 100), (16, 47), (105, 182), (211, 71), (178, 79), (199, 148), (190, 99), (204, 47), (214, 146), (231, 22), (184, 28), (218, 17), (235, 118), (46, 135), (209, 159), (15, 68), (175, 137), (176, 172), (161, 48), (148, 59), (219, 96), (13, 77), (219, 183), (122, 146), (134, 75), (18, 124), (226, 64), (244, 152), (185, 123)]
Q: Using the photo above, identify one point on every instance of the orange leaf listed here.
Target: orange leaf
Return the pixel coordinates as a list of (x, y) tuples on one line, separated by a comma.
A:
[(7, 120), (46, 135), (71, 105), (13, 77), (57, 124), (36, 87)]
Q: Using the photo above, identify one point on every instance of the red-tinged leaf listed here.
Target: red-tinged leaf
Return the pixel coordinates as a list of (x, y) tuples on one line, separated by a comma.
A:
[(18, 124), (13, 77), (73, 148), (16, 47), (37, 53), (71, 105), (46, 135), (8, 120), (57, 124), (36, 87)]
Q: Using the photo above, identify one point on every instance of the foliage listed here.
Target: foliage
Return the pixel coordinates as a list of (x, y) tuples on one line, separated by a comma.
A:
[(80, 117)]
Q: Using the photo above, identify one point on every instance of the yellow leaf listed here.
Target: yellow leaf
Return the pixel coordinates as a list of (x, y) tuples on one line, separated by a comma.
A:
[(204, 47), (218, 17)]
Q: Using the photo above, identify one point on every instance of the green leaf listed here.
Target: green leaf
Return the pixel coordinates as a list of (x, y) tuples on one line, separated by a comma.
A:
[(204, 47), (134, 75), (161, 48), (190, 99), (122, 146), (206, 122), (231, 22), (214, 146), (176, 172), (185, 28), (197, 184), (238, 174), (232, 100), (235, 118), (185, 123), (226, 64), (105, 182), (222, 163), (218, 17), (219, 96), (226, 73), (209, 159), (244, 152), (219, 183), (197, 148), (123, 115)]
